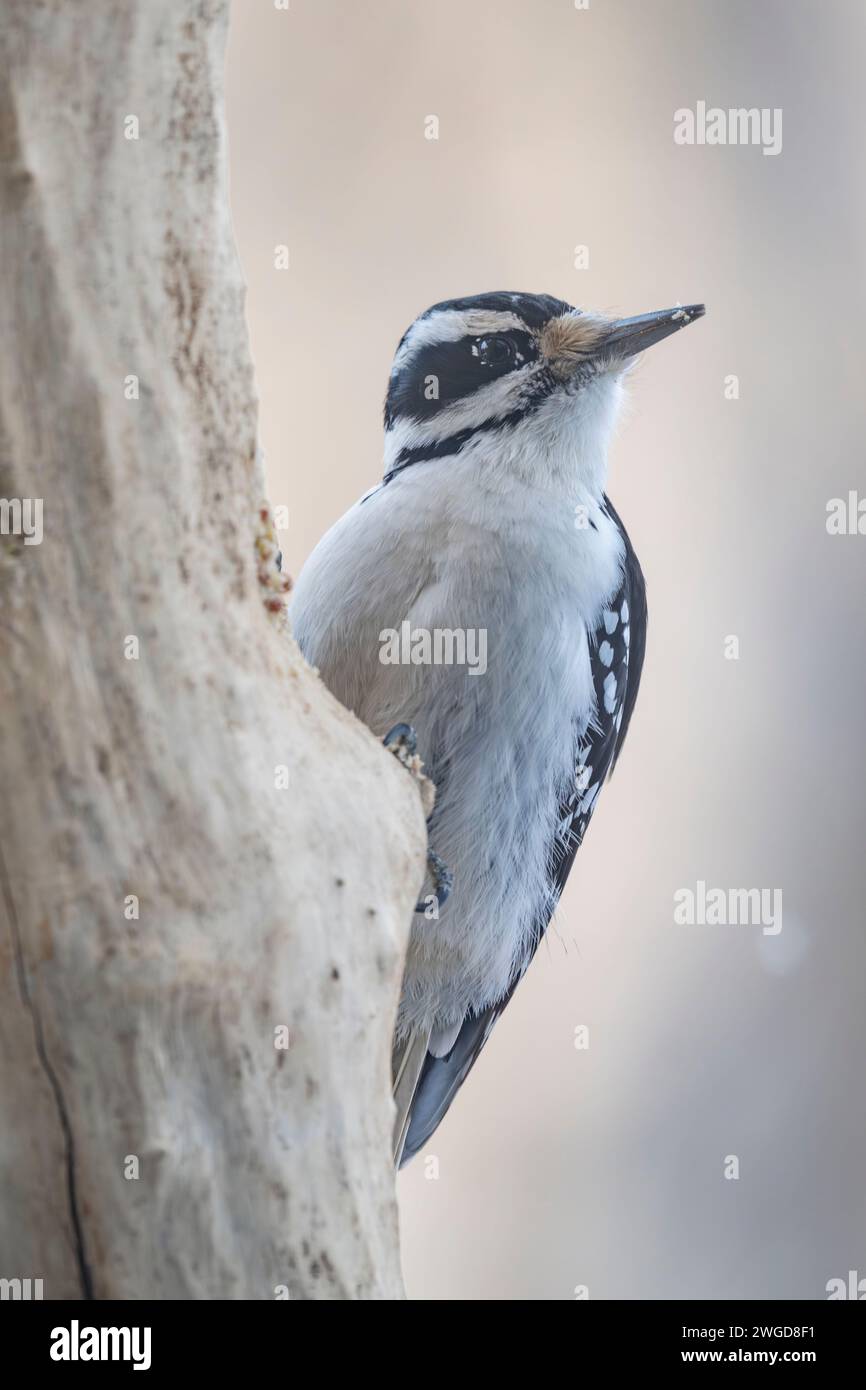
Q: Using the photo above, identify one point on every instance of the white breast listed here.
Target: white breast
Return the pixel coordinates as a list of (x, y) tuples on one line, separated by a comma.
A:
[(471, 543)]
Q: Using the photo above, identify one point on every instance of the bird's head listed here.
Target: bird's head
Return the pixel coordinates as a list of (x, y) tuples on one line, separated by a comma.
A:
[(524, 377)]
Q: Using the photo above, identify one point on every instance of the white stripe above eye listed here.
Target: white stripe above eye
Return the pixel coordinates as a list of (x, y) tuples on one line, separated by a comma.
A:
[(450, 325)]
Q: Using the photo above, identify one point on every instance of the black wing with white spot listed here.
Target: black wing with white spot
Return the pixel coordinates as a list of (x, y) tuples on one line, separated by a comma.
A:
[(617, 652)]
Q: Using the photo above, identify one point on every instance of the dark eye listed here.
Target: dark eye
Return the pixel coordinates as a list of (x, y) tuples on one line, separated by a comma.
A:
[(495, 352)]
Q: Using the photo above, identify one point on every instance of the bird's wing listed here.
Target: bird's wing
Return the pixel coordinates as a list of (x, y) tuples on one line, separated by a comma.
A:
[(616, 650)]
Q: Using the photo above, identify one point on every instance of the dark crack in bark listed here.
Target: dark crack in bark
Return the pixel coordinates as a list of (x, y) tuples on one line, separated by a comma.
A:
[(84, 1272)]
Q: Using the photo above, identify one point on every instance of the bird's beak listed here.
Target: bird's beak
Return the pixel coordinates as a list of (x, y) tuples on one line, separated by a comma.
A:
[(629, 336), (574, 338)]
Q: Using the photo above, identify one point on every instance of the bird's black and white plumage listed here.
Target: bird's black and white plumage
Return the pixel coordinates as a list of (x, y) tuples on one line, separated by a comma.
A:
[(491, 519)]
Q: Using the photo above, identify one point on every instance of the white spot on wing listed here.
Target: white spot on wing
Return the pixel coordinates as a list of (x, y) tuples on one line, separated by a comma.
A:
[(610, 693), (605, 653), (610, 620)]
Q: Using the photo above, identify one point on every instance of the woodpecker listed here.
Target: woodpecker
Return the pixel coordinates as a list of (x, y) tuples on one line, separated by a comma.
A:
[(491, 520)]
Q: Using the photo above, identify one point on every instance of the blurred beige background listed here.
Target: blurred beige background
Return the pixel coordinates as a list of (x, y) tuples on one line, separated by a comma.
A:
[(605, 1167)]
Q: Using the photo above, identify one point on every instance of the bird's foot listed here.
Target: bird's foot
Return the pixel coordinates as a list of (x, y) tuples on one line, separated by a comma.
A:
[(402, 741), (443, 882)]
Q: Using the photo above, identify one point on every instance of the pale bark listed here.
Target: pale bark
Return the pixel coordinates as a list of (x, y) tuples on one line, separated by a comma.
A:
[(154, 1039)]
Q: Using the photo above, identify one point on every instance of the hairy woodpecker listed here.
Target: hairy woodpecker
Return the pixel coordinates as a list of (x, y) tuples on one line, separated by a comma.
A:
[(491, 523)]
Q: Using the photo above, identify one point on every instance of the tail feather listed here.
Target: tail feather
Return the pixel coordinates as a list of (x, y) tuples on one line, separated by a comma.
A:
[(440, 1077), (407, 1062)]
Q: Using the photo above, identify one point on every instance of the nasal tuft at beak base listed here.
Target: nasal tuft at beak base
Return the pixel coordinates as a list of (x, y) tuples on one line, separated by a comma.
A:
[(573, 338)]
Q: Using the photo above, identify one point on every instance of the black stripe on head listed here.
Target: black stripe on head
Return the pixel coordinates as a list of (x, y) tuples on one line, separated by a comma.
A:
[(443, 448), (438, 373), (534, 309)]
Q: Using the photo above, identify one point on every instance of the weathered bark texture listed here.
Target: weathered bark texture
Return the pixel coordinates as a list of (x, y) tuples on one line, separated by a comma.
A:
[(155, 1040)]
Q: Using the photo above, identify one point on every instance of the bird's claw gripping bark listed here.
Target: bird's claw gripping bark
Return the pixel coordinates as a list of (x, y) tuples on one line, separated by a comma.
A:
[(402, 741), (443, 881)]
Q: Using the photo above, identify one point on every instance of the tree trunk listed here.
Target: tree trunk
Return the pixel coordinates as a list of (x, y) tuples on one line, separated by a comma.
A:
[(171, 914)]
